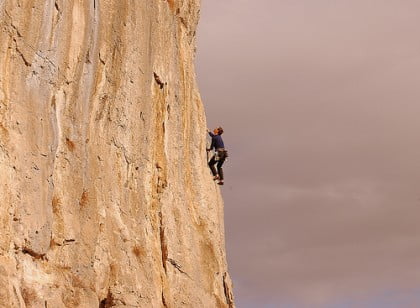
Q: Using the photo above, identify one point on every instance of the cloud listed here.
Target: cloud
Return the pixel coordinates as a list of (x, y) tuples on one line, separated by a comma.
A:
[(319, 102)]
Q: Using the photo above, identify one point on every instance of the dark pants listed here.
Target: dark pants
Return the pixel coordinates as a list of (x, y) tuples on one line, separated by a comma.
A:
[(219, 162)]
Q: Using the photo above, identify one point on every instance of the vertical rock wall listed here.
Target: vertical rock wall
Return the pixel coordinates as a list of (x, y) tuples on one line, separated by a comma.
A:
[(105, 196)]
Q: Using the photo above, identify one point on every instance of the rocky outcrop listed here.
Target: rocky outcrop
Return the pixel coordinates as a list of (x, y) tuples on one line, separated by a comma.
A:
[(106, 199)]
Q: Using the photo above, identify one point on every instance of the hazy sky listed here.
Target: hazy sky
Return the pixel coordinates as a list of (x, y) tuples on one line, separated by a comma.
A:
[(320, 102)]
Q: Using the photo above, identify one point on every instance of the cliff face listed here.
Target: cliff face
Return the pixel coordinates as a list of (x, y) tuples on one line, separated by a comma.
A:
[(106, 198)]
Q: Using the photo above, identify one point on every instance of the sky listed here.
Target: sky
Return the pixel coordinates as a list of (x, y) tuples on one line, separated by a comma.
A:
[(320, 104)]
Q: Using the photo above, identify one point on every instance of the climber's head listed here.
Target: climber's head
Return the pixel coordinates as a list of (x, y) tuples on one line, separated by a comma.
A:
[(219, 130)]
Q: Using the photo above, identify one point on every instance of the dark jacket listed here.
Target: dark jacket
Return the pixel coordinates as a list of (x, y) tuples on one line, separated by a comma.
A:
[(216, 141)]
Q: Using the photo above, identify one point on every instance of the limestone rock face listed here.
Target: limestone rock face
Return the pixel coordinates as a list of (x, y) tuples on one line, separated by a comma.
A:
[(105, 198)]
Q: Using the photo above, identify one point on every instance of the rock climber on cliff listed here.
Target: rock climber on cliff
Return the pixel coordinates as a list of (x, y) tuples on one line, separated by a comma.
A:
[(220, 154)]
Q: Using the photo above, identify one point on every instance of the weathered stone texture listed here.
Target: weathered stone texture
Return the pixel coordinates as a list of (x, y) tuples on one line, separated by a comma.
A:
[(106, 199)]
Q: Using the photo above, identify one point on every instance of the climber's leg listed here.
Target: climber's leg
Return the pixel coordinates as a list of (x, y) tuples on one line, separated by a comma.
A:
[(212, 162), (220, 169), (222, 158)]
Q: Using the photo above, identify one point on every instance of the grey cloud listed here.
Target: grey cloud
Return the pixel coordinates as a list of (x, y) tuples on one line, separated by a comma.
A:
[(320, 102)]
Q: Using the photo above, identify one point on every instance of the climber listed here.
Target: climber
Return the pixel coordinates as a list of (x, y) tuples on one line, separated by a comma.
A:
[(220, 154)]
